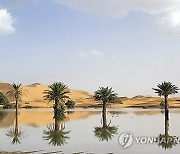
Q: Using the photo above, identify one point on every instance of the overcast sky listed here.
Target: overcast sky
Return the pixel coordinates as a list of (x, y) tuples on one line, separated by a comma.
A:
[(130, 45)]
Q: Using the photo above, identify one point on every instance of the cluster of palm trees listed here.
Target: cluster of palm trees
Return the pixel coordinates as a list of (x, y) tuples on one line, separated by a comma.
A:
[(58, 93)]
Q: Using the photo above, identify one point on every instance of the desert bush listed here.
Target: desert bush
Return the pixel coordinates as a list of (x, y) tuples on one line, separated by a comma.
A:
[(3, 99), (70, 104)]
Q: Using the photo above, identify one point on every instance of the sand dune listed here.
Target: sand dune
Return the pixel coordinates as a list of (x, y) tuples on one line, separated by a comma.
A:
[(33, 96)]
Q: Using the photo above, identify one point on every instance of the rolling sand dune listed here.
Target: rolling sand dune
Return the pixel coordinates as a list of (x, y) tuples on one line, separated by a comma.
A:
[(33, 96)]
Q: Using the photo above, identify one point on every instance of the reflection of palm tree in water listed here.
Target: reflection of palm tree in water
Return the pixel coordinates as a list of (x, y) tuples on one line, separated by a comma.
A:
[(165, 141), (106, 132), (56, 133), (15, 133), (3, 114)]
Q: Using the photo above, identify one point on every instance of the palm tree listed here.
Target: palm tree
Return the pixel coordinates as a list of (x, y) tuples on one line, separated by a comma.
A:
[(16, 92), (106, 132), (57, 93), (56, 134), (165, 89), (106, 95)]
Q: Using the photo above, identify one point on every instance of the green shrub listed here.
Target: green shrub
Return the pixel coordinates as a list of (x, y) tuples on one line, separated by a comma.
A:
[(2, 115), (3, 99), (9, 106), (70, 104)]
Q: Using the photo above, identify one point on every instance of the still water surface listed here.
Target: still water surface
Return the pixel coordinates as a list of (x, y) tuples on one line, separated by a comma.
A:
[(81, 131)]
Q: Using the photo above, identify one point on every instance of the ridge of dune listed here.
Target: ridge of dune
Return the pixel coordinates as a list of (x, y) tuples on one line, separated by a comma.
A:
[(33, 85)]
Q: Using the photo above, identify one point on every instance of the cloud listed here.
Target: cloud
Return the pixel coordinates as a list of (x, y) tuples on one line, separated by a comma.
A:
[(169, 25), (166, 25), (165, 14), (6, 23), (91, 54), (172, 19), (120, 8)]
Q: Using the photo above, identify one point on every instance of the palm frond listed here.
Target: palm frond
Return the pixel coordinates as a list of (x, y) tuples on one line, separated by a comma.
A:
[(166, 89), (105, 94), (58, 91)]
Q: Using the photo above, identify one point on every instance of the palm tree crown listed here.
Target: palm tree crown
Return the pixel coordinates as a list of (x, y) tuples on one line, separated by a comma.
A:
[(105, 94), (166, 89), (58, 92)]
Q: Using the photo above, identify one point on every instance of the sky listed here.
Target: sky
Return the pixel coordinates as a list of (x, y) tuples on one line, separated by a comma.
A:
[(130, 45)]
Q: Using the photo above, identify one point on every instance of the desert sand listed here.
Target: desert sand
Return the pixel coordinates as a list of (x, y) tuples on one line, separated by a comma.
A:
[(33, 97)]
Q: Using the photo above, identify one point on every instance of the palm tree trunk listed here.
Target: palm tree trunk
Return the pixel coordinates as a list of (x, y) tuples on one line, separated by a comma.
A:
[(16, 123), (55, 108), (104, 114), (166, 109), (166, 128), (16, 106), (56, 124), (104, 120)]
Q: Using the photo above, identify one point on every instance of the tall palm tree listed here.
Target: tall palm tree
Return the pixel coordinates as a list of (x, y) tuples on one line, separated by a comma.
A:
[(56, 134), (16, 92), (106, 95), (57, 93), (165, 89)]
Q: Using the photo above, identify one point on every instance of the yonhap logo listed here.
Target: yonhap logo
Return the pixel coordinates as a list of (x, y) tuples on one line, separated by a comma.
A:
[(126, 139)]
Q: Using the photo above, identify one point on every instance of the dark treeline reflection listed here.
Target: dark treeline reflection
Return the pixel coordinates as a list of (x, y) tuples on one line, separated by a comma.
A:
[(56, 133), (3, 114), (106, 132)]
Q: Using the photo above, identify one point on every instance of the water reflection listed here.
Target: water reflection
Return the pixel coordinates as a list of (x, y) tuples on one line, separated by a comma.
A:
[(56, 133), (15, 132), (2, 115), (115, 113), (166, 141), (106, 132)]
